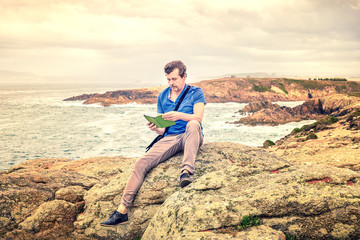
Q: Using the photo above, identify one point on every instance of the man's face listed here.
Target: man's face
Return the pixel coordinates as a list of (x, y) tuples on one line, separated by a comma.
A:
[(176, 83)]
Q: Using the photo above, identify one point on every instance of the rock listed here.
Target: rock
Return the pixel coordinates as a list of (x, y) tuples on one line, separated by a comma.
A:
[(296, 200), (292, 145), (313, 109), (71, 194), (257, 106), (53, 214), (160, 183), (56, 185), (142, 95), (63, 199), (255, 233), (330, 140)]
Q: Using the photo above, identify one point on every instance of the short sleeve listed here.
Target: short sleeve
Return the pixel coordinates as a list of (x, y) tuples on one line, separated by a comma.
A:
[(159, 105), (199, 96)]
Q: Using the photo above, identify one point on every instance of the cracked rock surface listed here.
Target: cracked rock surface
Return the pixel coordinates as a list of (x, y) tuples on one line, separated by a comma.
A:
[(67, 199), (309, 202)]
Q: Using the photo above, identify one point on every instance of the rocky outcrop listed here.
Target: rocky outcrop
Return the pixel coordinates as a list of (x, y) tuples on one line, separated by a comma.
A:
[(258, 105), (63, 199), (41, 199), (243, 90), (273, 114), (141, 96), (331, 140), (299, 201), (314, 109)]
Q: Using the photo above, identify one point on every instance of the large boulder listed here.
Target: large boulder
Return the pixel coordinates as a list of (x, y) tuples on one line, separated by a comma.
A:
[(64, 199), (307, 202), (41, 199), (161, 183)]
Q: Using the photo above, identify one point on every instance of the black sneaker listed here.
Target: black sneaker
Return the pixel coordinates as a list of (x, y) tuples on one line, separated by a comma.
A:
[(115, 219), (185, 180)]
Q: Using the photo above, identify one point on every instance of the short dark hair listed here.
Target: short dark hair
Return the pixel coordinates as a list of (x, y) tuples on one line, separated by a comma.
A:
[(171, 66)]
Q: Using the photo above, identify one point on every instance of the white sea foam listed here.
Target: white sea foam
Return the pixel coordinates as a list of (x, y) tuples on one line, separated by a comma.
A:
[(290, 104)]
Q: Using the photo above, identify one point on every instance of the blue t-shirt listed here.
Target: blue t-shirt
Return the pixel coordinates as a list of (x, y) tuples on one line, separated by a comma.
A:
[(164, 105)]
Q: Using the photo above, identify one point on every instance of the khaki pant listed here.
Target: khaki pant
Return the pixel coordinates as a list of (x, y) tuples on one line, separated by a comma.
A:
[(190, 141)]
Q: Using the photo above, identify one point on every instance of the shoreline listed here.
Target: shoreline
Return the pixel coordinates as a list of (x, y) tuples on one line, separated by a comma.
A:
[(77, 138)]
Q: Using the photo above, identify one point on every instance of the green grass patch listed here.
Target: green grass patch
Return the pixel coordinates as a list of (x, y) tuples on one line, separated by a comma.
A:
[(318, 125), (356, 113), (353, 84), (288, 236), (260, 88), (353, 94), (311, 136), (295, 130), (282, 87), (249, 221), (305, 127), (340, 89), (328, 120), (307, 84), (269, 143)]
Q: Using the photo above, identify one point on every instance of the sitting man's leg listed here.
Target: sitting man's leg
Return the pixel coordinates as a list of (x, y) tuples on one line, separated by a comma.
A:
[(161, 151), (192, 139)]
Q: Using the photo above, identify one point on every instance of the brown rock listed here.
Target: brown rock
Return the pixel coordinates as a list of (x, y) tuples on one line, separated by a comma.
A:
[(242, 90), (54, 214), (308, 202), (336, 142), (312, 109), (257, 106), (57, 185), (231, 182), (71, 194)]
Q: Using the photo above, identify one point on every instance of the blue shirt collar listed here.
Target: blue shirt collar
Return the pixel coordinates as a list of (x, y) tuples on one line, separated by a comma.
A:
[(182, 92)]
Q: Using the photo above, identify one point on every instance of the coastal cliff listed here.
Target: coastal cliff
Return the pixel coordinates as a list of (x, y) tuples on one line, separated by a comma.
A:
[(305, 186), (334, 139), (242, 90)]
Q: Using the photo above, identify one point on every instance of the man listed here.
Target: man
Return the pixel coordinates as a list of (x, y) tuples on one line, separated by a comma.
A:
[(185, 135)]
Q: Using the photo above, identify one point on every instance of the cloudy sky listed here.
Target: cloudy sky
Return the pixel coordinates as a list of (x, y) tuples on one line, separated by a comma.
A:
[(131, 40)]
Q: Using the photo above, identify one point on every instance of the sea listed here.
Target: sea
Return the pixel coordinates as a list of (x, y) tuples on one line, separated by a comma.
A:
[(35, 123)]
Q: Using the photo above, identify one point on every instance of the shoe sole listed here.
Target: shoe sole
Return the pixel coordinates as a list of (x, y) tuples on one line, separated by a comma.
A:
[(184, 183), (123, 223)]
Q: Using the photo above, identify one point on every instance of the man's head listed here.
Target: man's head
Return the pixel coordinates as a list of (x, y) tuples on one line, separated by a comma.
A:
[(171, 66), (175, 72)]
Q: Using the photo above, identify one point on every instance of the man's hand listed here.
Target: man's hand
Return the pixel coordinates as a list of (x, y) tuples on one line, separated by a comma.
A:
[(197, 115), (154, 128), (172, 116)]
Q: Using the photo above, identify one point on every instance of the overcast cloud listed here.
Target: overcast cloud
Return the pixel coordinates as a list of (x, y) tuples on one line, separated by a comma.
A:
[(131, 40)]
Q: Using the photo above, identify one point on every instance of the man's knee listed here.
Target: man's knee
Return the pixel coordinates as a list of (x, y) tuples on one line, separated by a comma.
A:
[(142, 166), (193, 125)]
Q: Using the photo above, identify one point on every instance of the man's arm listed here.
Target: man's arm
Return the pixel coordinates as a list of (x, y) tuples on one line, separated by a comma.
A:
[(197, 115)]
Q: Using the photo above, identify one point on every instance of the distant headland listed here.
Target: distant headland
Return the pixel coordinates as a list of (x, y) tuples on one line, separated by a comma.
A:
[(232, 89)]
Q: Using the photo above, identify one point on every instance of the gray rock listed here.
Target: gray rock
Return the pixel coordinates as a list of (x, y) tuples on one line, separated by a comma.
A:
[(309, 202), (162, 182), (63, 199)]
